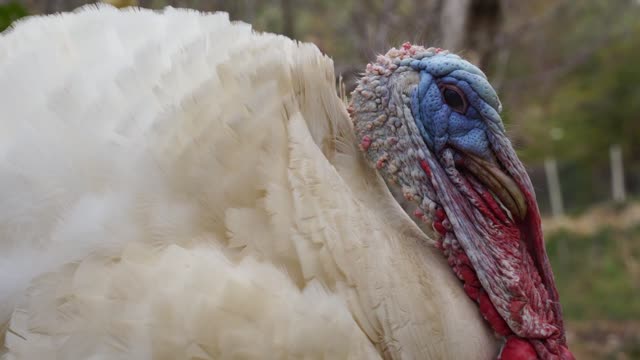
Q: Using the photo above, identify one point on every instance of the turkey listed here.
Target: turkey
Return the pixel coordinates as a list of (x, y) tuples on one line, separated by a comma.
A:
[(176, 186)]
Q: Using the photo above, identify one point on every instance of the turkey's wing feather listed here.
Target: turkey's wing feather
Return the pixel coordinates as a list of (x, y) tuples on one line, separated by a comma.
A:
[(135, 147), (173, 185)]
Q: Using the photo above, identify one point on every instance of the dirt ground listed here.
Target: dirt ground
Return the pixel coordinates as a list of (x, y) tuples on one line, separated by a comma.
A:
[(603, 340)]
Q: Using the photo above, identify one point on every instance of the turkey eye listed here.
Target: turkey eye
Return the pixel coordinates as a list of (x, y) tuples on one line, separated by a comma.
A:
[(454, 99)]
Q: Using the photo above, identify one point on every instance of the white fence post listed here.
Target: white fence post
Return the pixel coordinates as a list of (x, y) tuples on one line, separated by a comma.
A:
[(617, 174), (553, 182)]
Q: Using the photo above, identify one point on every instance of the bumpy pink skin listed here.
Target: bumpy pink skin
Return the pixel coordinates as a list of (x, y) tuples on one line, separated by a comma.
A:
[(502, 262)]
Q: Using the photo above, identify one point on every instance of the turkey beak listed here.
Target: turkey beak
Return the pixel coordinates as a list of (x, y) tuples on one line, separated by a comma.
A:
[(498, 182)]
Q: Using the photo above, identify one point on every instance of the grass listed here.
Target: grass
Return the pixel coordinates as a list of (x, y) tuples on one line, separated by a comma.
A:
[(596, 263), (596, 273)]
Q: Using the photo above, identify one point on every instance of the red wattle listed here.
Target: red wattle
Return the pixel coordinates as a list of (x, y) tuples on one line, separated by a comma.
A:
[(437, 226), (565, 354), (491, 314), (468, 275), (365, 143), (472, 291), (518, 349), (425, 167)]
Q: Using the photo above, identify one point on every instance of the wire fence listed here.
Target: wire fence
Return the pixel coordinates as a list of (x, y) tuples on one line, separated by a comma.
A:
[(566, 187)]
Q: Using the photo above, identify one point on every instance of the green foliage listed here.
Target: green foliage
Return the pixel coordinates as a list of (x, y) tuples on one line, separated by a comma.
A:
[(597, 103), (592, 276), (11, 12), (572, 90)]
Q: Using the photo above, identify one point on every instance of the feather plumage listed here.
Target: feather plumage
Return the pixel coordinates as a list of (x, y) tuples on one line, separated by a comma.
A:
[(174, 185)]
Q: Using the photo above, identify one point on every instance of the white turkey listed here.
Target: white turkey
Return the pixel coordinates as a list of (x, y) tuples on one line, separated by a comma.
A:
[(176, 186)]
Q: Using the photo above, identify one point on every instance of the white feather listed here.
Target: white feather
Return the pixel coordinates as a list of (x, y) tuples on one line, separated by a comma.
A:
[(173, 185)]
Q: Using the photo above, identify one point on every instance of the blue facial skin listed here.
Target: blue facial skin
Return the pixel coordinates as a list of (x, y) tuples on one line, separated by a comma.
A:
[(439, 124)]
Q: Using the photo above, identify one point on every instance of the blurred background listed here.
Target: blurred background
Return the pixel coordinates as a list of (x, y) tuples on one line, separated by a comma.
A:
[(568, 73)]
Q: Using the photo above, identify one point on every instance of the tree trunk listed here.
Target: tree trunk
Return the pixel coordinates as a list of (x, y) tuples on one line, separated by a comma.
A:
[(50, 6), (288, 25), (454, 15), (484, 22), (471, 27)]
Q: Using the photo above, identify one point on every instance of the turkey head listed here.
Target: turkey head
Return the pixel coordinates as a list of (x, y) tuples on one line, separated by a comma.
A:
[(429, 122)]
